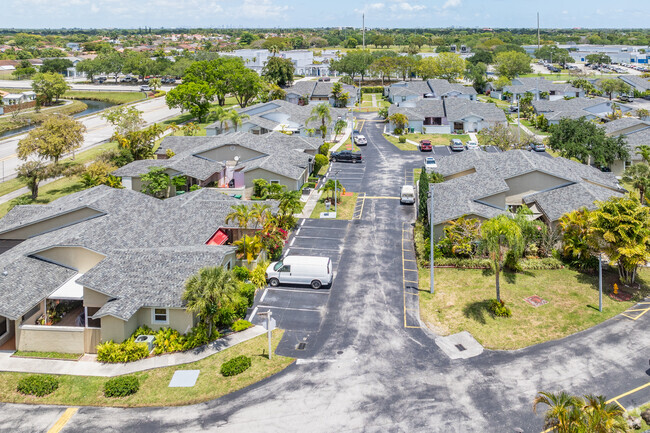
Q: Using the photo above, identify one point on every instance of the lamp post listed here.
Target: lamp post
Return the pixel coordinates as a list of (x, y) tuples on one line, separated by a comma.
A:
[(335, 197), (431, 239), (600, 282)]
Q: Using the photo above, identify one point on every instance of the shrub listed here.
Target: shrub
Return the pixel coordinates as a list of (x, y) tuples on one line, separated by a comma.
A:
[(142, 330), (324, 149), (309, 185), (541, 264), (198, 336), (121, 386), (260, 187), (319, 162), (38, 385), (398, 131), (241, 325), (258, 276), (167, 340), (313, 179), (463, 262), (402, 139), (241, 273), (372, 89), (194, 187), (235, 366), (247, 291), (128, 351), (499, 309)]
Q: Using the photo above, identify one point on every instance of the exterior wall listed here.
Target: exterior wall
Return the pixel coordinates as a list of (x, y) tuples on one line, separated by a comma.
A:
[(92, 337), (461, 174), (618, 167), (77, 258), (528, 184), (64, 339), (259, 173), (94, 299), (50, 224), (10, 332), (496, 200), (442, 129), (228, 153), (177, 318), (8, 108), (113, 329), (127, 182)]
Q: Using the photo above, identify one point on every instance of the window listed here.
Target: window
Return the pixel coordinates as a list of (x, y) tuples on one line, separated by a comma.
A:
[(274, 182), (159, 316), (3, 326), (433, 121), (286, 268)]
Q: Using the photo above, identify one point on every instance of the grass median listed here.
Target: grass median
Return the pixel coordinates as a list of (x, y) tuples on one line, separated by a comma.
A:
[(112, 97), (154, 389), (345, 208), (461, 298), (47, 355)]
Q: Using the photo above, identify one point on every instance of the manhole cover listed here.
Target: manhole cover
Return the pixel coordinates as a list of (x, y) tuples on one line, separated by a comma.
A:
[(301, 346), (536, 301), (460, 347), (340, 352)]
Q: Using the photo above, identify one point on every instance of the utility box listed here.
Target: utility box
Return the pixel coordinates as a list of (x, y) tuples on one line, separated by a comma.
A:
[(148, 339)]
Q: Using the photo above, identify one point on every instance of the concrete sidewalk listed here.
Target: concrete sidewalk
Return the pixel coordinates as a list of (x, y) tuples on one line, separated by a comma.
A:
[(94, 368)]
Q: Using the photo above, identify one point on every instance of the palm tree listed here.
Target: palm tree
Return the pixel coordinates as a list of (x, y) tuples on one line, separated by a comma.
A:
[(576, 237), (642, 113), (644, 151), (501, 234), (249, 247), (321, 112), (564, 414), (638, 175), (331, 186), (236, 118), (274, 49), (241, 213), (337, 90), (399, 120), (339, 126), (603, 417), (289, 202), (260, 213), (209, 290)]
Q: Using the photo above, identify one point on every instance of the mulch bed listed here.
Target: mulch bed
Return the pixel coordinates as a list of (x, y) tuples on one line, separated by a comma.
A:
[(621, 296)]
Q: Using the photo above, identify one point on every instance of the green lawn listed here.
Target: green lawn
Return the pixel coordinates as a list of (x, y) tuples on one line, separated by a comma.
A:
[(112, 97), (154, 390), (345, 209), (533, 129), (498, 102), (49, 355), (637, 412), (461, 295), (51, 191)]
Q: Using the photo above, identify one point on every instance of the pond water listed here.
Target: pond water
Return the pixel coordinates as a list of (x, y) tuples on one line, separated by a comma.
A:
[(93, 107)]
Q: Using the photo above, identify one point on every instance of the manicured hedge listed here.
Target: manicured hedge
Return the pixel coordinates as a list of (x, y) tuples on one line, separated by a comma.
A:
[(124, 352), (241, 325), (235, 366), (121, 386), (38, 385), (478, 263), (372, 89)]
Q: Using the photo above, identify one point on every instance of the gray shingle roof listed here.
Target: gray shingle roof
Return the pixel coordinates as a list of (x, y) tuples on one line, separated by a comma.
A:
[(488, 173), (280, 153), (454, 109), (529, 84), (150, 246), (623, 123), (437, 87), (639, 83)]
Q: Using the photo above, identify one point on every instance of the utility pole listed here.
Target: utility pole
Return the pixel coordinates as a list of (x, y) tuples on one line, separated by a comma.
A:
[(600, 282), (538, 44), (431, 240), (363, 31)]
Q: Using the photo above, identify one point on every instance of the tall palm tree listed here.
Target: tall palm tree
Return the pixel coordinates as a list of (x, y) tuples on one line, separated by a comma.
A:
[(603, 417), (321, 112), (208, 291), (331, 186), (337, 90), (564, 414), (399, 120), (576, 237), (260, 213), (638, 175), (249, 247), (644, 151), (289, 202), (241, 213), (501, 234)]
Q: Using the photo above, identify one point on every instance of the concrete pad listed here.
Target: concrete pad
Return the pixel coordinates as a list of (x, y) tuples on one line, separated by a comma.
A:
[(459, 346), (331, 215), (184, 379)]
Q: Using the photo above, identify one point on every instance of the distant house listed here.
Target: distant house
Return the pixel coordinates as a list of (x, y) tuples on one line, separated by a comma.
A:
[(637, 82), (578, 107), (317, 91), (231, 161), (536, 86), (112, 259), (448, 115), (636, 133), (278, 115), (73, 46), (430, 89), (483, 185)]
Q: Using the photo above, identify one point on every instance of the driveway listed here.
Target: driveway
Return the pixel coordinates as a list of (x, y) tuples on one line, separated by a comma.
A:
[(366, 368)]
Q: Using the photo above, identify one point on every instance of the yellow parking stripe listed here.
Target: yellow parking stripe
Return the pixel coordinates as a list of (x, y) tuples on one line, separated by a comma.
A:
[(61, 422)]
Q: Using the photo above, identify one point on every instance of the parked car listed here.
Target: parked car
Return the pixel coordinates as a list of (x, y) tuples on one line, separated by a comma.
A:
[(145, 88), (309, 270), (407, 194), (472, 145), (345, 156), (513, 108), (128, 79), (537, 147), (425, 146), (324, 79), (456, 145), (360, 140), (626, 98), (430, 164), (100, 80)]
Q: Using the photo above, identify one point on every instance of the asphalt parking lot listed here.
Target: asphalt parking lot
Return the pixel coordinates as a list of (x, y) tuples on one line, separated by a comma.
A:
[(349, 174), (300, 308)]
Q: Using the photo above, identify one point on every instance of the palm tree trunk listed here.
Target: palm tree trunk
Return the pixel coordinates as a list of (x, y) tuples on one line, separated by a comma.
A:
[(641, 194), (497, 271)]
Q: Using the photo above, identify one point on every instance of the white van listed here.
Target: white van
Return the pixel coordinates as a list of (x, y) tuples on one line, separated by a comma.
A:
[(407, 195), (310, 270)]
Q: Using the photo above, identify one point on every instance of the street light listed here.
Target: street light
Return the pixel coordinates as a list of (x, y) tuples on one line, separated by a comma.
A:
[(335, 197), (600, 282), (431, 240)]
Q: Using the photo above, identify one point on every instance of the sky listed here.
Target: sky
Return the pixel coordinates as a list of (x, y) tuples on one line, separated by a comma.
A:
[(324, 13)]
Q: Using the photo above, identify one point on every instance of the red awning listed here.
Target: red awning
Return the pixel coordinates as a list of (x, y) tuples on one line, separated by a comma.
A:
[(219, 238)]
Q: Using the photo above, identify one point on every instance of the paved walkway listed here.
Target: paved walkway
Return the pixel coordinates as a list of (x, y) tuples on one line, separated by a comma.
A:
[(473, 137), (94, 368), (537, 137), (374, 99)]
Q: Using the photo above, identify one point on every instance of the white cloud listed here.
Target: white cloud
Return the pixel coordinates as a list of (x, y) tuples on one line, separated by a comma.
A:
[(370, 8), (451, 4), (406, 7), (262, 9)]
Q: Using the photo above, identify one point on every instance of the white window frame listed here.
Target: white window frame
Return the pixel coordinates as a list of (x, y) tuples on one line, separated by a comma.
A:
[(159, 322)]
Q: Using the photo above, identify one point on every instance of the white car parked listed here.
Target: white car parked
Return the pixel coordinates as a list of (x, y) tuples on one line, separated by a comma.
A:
[(472, 145), (430, 164)]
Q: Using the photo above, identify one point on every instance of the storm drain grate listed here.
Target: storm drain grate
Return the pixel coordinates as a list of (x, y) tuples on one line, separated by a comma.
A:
[(301, 346), (460, 347)]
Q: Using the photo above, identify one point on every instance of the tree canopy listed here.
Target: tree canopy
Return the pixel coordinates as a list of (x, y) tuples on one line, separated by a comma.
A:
[(57, 135), (278, 71), (511, 63)]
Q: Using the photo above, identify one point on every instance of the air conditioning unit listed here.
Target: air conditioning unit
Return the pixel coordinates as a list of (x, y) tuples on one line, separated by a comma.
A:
[(148, 339)]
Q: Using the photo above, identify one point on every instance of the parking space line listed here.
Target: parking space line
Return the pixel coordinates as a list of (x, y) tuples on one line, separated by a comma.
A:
[(264, 295), (288, 308), (412, 282), (636, 310), (405, 281), (314, 248), (410, 270), (315, 292), (381, 198), (319, 237)]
